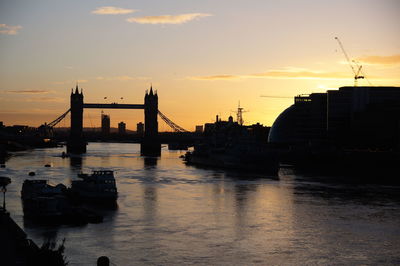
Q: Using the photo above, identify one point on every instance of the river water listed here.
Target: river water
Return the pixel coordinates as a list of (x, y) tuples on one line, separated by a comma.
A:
[(172, 214)]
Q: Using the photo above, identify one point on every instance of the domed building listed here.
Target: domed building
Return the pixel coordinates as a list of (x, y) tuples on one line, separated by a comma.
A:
[(283, 129), (351, 117), (302, 122)]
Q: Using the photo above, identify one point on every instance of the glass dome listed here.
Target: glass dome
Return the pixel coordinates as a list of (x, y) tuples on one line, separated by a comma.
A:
[(283, 129)]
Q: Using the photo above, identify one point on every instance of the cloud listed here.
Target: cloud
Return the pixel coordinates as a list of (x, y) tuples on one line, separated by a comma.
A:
[(46, 99), (33, 111), (121, 78), (300, 74), (28, 91), (380, 60), (280, 74), (111, 10), (216, 77), (9, 30), (70, 82), (277, 97), (167, 19)]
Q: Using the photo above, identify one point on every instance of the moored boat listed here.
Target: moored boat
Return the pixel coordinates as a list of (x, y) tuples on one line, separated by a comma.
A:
[(98, 186), (238, 157), (45, 203), (40, 187)]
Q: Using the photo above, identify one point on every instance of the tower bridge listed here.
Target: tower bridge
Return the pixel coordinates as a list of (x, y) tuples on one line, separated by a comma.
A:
[(150, 145)]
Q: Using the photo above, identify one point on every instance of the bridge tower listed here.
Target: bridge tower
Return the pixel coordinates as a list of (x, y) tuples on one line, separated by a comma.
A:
[(76, 142), (150, 145)]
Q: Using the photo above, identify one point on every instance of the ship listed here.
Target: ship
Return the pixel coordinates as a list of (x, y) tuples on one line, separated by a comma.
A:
[(49, 204), (230, 145), (98, 186), (235, 157)]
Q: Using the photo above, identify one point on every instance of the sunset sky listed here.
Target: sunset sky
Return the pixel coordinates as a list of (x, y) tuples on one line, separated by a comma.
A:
[(202, 56)]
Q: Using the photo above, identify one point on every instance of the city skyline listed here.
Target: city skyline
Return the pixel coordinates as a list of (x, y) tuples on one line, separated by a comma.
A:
[(201, 57)]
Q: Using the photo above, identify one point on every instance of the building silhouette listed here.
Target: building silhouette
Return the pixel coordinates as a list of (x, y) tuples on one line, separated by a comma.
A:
[(140, 129), (105, 124), (199, 129), (151, 145), (351, 117), (76, 142), (121, 128)]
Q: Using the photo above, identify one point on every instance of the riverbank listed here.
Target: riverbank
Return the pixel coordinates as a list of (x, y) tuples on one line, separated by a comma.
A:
[(17, 249)]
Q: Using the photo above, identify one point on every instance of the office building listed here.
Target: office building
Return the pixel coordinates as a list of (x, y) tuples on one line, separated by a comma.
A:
[(105, 124), (121, 128)]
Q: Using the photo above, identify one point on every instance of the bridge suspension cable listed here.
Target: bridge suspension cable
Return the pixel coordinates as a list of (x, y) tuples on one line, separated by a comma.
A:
[(174, 126), (58, 119)]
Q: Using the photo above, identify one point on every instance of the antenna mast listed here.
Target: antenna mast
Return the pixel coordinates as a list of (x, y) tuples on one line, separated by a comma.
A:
[(239, 114)]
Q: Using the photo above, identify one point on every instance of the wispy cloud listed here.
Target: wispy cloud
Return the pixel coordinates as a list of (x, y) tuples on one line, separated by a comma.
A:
[(111, 10), (300, 74), (121, 78), (69, 82), (380, 60), (28, 91), (32, 111), (279, 74), (9, 30), (46, 99), (277, 97), (217, 77), (167, 19)]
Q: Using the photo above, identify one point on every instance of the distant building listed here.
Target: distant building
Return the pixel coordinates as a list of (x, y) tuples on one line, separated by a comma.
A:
[(352, 117), (105, 124), (121, 128), (20, 129), (199, 129), (258, 131), (225, 134), (140, 129), (209, 127)]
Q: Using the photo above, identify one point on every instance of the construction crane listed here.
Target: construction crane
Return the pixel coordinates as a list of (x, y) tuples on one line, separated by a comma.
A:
[(356, 70)]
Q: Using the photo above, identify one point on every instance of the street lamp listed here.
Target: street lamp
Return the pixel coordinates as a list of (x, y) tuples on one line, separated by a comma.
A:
[(4, 181)]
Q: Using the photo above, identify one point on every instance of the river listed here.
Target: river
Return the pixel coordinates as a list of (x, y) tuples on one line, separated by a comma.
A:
[(173, 214)]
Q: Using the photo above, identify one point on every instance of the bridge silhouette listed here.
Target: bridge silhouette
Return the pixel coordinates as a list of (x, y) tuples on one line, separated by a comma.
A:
[(150, 145)]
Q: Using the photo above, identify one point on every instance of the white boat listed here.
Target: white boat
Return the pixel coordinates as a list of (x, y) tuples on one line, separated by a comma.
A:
[(99, 186)]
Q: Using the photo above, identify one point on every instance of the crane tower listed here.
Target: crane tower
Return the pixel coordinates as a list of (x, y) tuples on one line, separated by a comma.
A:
[(357, 69)]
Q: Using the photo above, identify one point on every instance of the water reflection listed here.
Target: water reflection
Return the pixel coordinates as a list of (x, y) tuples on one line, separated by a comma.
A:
[(150, 189), (170, 213), (244, 195), (2, 161), (150, 162), (42, 234), (76, 162)]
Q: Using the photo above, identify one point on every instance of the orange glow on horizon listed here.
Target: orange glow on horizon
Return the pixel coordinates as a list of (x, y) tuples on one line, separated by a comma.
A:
[(202, 60)]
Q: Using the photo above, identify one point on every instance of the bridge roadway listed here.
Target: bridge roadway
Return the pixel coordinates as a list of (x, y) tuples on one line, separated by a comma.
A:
[(113, 106)]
